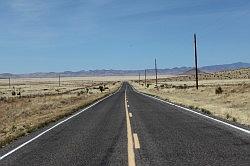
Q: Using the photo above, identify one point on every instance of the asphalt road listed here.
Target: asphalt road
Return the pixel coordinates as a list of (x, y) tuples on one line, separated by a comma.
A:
[(162, 135)]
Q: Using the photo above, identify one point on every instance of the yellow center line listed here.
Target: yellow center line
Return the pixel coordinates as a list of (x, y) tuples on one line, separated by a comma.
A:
[(131, 153)]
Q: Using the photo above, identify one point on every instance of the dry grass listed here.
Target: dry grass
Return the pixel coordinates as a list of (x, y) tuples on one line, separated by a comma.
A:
[(232, 104), (46, 86), (21, 115), (224, 75)]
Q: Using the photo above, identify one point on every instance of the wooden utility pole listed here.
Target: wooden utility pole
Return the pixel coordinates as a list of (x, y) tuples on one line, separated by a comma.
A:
[(145, 78), (9, 82), (139, 78), (59, 81), (156, 81), (196, 66)]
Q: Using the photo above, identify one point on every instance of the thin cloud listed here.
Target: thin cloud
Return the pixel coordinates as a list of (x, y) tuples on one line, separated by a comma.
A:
[(190, 8)]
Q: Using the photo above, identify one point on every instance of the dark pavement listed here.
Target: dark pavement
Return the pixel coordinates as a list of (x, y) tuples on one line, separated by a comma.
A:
[(172, 136), (167, 135), (95, 137)]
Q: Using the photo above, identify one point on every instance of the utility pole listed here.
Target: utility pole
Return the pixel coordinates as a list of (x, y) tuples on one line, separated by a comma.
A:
[(59, 81), (9, 82), (145, 78), (156, 81), (196, 66), (139, 78)]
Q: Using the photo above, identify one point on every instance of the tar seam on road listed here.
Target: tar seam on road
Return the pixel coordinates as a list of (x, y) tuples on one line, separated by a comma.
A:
[(131, 153), (59, 123), (200, 114)]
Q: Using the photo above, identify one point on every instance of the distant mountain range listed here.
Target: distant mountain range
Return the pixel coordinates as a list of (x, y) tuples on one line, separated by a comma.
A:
[(192, 72), (172, 71)]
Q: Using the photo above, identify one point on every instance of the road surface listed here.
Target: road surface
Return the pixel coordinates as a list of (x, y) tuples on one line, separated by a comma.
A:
[(129, 128)]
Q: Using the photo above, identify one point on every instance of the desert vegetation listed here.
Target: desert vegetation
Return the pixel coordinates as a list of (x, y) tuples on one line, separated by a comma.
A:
[(223, 94), (223, 75), (32, 103)]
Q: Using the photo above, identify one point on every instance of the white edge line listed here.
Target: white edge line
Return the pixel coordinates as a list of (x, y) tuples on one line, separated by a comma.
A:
[(59, 123), (208, 117)]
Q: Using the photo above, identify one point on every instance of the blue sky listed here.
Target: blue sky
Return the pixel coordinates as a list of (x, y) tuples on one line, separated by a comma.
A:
[(59, 35)]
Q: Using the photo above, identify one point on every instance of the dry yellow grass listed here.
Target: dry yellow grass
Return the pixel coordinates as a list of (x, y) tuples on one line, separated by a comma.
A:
[(223, 75), (233, 104), (21, 115), (46, 86)]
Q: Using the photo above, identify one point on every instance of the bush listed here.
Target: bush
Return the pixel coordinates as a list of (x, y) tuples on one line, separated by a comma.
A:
[(218, 90), (101, 88), (79, 93), (162, 85), (191, 107), (3, 98), (206, 111), (234, 119), (181, 86), (185, 86), (228, 116), (233, 91), (13, 93)]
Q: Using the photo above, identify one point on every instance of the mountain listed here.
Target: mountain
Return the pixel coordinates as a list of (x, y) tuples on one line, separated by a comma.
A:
[(217, 68), (104, 72), (192, 72)]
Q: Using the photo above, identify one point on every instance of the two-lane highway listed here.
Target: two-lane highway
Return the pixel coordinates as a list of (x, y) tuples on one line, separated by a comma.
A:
[(129, 128)]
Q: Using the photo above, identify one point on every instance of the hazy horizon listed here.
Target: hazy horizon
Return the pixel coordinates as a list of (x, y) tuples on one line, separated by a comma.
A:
[(117, 69)]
